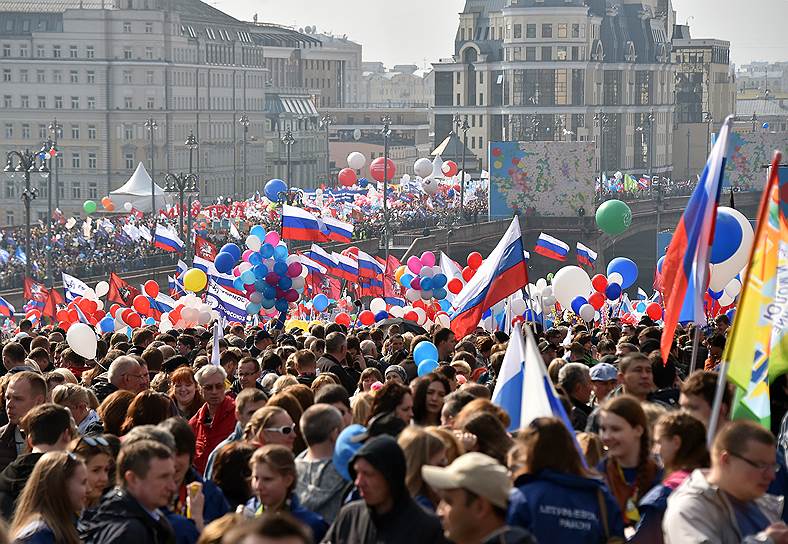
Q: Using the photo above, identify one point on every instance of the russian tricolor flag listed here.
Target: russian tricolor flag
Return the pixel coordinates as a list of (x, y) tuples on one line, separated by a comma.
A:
[(6, 308), (312, 265), (368, 266), (552, 248), (298, 224), (167, 239), (339, 231), (501, 274), (346, 267), (319, 255), (585, 255), (685, 269)]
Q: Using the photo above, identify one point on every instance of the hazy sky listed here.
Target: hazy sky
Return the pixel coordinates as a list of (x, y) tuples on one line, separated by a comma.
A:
[(421, 31)]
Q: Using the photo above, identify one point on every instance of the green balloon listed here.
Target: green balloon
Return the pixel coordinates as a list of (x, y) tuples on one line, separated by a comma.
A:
[(89, 206), (613, 217), (550, 277)]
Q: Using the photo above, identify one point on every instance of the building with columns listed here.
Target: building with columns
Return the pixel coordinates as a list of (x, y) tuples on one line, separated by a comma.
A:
[(564, 70)]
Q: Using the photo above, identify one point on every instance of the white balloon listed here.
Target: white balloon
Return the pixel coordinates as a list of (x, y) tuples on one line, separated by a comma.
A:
[(397, 311), (90, 294), (165, 325), (256, 297), (548, 302), (356, 160), (547, 292), (82, 339), (102, 288), (733, 288), (570, 282), (190, 314), (99, 304), (541, 284), (423, 167), (429, 185), (412, 295), (587, 312), (377, 305), (724, 300), (443, 320), (426, 295), (727, 269), (298, 283), (422, 316), (204, 318), (518, 306), (616, 278), (427, 272), (253, 242)]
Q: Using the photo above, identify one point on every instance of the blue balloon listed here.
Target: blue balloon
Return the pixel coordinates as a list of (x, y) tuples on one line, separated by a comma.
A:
[(150, 321), (363, 182), (255, 259), (280, 268), (268, 291), (381, 315), (450, 193), (238, 283), (266, 251), (731, 314), (659, 264), (259, 284), (641, 307), (233, 250), (577, 302), (252, 308), (439, 294), (727, 237), (260, 271), (406, 279), (426, 284), (247, 276), (280, 253), (107, 324), (715, 295), (627, 268), (445, 305), (438, 281), (272, 189), (425, 351), (224, 262), (281, 305), (427, 366), (259, 231), (613, 291), (346, 447), (267, 303), (320, 302), (285, 283)]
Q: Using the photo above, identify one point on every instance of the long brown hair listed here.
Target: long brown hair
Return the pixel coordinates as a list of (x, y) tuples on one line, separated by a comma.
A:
[(43, 497), (545, 444), (113, 410), (147, 408), (692, 452), (419, 446), (280, 460), (491, 436), (185, 374), (388, 397)]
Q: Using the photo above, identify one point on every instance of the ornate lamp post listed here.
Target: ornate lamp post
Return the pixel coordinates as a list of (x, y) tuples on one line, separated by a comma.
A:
[(151, 125), (26, 163), (244, 122)]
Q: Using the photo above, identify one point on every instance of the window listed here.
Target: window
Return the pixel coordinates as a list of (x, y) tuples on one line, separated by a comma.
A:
[(481, 99), (42, 102), (128, 103), (149, 53), (148, 28), (91, 102), (25, 101), (57, 76), (547, 53), (129, 158), (560, 52), (24, 76), (530, 53), (575, 53), (6, 49), (92, 164), (575, 30), (9, 130), (76, 190), (547, 30), (459, 80), (56, 51), (149, 78), (150, 103), (6, 75), (58, 102), (43, 192), (91, 77), (42, 132), (518, 30), (75, 132), (74, 102), (126, 27), (473, 142), (563, 31), (128, 132), (127, 76), (91, 132), (481, 145), (530, 30), (25, 131), (73, 51), (7, 101), (90, 52), (74, 76), (561, 97), (41, 76), (75, 160), (40, 51), (9, 214), (23, 51), (127, 53)]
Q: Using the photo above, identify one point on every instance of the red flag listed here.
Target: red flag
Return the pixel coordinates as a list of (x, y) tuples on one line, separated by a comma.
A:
[(121, 291), (391, 288), (34, 291), (334, 288), (53, 298), (205, 249)]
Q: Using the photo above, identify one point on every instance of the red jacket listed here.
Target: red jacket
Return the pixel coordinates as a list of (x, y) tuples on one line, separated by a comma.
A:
[(210, 434)]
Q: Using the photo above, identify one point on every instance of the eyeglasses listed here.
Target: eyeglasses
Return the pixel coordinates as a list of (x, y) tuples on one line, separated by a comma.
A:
[(284, 430), (762, 467), (140, 376)]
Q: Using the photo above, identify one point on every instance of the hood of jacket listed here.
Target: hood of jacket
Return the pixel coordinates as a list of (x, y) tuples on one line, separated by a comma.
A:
[(562, 479), (383, 453), (118, 504)]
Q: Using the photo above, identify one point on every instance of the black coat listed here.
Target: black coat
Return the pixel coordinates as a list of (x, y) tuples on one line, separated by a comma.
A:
[(328, 364), (13, 480), (7, 445), (120, 519)]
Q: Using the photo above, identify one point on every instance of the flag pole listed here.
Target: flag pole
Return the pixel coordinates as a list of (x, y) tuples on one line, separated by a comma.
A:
[(696, 337), (714, 420)]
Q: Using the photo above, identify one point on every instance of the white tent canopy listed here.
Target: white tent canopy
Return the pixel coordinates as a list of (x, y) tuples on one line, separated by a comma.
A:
[(137, 191)]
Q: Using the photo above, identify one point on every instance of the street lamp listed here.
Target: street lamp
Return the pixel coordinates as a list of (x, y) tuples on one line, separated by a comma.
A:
[(463, 126), (325, 122), (646, 128), (244, 122), (26, 163), (151, 125), (601, 120), (181, 184), (48, 149), (754, 120), (288, 140), (56, 130), (709, 120), (386, 133), (192, 144)]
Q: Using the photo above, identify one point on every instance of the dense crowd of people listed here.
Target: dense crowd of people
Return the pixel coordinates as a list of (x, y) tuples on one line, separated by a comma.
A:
[(330, 435)]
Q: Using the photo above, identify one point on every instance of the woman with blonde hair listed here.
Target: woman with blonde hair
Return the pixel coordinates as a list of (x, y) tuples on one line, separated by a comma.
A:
[(421, 448), (454, 446), (361, 406), (53, 497), (270, 425)]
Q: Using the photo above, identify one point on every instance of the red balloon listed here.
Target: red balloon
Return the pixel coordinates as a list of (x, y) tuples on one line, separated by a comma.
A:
[(468, 273), (376, 169), (366, 317), (654, 311), (113, 309), (141, 304), (597, 300), (134, 320), (454, 286), (599, 282), (347, 177), (411, 316), (449, 168), (73, 316), (343, 319), (62, 315), (475, 260), (151, 288), (64, 325), (99, 314)]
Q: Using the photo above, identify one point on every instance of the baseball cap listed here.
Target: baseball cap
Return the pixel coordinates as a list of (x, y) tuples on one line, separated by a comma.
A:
[(545, 346), (476, 472), (603, 372)]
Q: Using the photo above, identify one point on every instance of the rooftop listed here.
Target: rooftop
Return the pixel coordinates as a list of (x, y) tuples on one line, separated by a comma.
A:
[(761, 108)]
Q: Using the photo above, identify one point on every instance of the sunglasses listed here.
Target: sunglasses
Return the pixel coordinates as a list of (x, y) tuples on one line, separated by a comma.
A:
[(92, 441), (284, 430)]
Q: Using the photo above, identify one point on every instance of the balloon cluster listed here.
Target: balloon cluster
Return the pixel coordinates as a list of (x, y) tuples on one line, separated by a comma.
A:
[(730, 251), (473, 262), (422, 279), (425, 355), (190, 311)]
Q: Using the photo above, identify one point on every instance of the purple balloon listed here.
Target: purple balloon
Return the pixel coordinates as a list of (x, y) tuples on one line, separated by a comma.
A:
[(415, 283), (272, 278), (291, 295), (294, 269)]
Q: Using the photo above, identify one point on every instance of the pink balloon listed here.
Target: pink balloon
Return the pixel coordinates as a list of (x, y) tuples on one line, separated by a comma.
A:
[(246, 255), (291, 295), (428, 258), (237, 271), (415, 283), (414, 264), (272, 238), (294, 270)]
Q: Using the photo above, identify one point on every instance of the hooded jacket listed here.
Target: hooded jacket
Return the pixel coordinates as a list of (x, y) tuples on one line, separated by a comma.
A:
[(120, 519), (558, 507), (405, 522), (699, 512), (13, 480)]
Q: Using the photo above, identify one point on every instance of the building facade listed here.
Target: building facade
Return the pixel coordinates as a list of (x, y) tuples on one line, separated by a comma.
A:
[(564, 70), (404, 83)]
